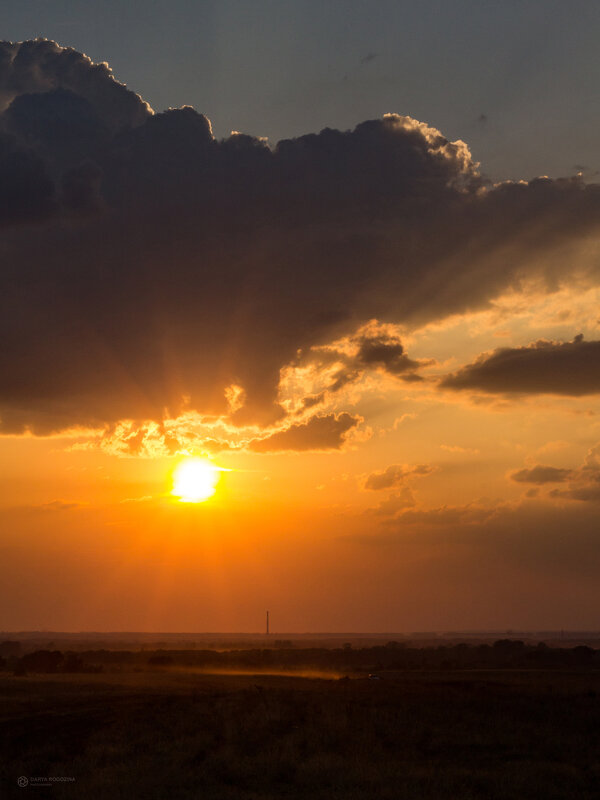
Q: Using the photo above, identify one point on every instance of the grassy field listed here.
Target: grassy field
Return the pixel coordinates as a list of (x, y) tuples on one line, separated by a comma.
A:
[(507, 735)]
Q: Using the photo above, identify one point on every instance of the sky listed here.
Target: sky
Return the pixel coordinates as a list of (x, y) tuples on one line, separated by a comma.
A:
[(344, 255)]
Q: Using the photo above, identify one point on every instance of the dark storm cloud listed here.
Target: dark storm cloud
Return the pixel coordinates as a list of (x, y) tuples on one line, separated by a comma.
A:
[(541, 474), (326, 432), (57, 109), (147, 266), (568, 368), (39, 66), (27, 193)]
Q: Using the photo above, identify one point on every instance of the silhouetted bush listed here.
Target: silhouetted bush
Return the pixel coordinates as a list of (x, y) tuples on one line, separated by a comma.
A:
[(47, 661)]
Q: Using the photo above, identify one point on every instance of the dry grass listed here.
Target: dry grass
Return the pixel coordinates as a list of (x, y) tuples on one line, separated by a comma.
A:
[(178, 734)]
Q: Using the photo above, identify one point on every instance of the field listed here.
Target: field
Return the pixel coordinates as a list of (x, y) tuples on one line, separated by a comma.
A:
[(182, 733)]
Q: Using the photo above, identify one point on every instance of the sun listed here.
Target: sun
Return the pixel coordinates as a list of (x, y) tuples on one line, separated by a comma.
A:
[(195, 480)]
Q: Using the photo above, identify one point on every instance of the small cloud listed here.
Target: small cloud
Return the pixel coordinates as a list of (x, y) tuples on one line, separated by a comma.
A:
[(145, 499), (395, 503), (404, 418), (553, 446), (585, 494), (387, 353), (326, 432), (368, 58), (454, 448), (395, 475), (58, 505), (541, 474)]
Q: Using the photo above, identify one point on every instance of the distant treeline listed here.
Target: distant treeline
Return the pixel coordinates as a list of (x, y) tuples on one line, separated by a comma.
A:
[(48, 661), (503, 654)]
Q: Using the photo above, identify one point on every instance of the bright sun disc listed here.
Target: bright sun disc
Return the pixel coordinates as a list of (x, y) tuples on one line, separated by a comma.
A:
[(195, 480)]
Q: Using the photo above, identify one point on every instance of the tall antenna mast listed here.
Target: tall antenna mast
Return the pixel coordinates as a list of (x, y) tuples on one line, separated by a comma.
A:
[(267, 623)]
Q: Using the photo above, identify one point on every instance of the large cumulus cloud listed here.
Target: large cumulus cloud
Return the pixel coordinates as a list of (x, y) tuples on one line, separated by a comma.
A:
[(148, 267), (41, 66)]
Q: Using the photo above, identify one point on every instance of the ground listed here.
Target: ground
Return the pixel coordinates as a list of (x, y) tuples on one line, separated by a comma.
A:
[(505, 734)]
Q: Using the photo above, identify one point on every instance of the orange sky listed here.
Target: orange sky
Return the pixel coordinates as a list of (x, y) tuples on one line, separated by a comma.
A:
[(394, 361), (95, 541)]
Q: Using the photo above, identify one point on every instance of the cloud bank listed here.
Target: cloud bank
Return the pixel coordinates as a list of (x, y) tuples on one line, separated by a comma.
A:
[(149, 268)]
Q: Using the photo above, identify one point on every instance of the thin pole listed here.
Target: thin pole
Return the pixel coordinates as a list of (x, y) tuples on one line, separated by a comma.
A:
[(267, 623)]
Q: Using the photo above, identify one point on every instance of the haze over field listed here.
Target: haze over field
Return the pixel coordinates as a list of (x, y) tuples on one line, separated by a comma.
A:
[(351, 376)]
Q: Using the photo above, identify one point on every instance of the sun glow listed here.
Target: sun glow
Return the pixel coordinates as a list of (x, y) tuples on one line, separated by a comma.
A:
[(195, 480)]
